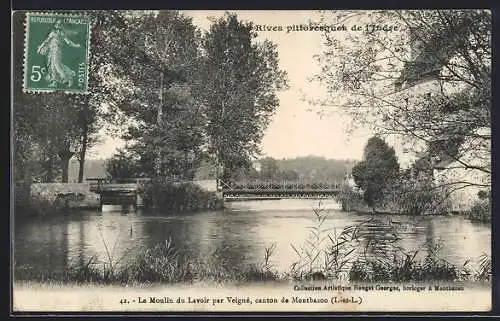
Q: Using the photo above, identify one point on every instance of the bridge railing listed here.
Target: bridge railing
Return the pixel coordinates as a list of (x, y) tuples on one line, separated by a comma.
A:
[(278, 185), (97, 183)]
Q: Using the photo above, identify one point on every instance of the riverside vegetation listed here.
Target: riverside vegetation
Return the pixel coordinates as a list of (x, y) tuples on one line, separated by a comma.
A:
[(409, 202), (380, 185), (27, 205), (177, 197), (327, 254)]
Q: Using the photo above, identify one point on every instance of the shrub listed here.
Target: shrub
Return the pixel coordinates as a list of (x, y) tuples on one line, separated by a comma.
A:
[(480, 211), (35, 205), (351, 199), (121, 166), (172, 196), (416, 195)]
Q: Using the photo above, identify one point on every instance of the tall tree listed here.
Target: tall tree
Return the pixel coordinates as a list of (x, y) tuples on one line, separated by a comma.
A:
[(428, 81), (44, 123), (166, 127), (58, 130), (107, 28), (241, 79), (60, 125), (377, 171)]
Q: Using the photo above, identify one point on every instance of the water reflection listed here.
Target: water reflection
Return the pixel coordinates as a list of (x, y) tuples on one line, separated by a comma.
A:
[(235, 236)]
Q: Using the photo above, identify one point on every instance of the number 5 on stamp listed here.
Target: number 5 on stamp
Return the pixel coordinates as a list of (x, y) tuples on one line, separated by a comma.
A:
[(56, 53)]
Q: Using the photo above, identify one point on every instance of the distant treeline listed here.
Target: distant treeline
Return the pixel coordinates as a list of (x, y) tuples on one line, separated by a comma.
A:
[(317, 168), (312, 168), (303, 168)]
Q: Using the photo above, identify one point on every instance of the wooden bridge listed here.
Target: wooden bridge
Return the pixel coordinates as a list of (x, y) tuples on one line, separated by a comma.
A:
[(262, 190), (112, 192)]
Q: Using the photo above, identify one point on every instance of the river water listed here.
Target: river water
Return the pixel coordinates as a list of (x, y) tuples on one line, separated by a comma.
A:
[(237, 235)]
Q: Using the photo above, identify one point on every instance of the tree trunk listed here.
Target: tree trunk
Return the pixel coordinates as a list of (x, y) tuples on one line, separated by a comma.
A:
[(50, 171), (83, 151), (65, 165), (65, 157), (226, 175), (159, 122), (81, 165)]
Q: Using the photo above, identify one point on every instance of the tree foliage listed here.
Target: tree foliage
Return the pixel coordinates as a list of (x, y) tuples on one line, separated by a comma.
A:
[(176, 94), (429, 82), (159, 68), (240, 79), (50, 128), (122, 166), (106, 28), (377, 171), (416, 193)]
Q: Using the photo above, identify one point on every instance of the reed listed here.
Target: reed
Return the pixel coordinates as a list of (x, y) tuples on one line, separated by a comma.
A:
[(343, 256)]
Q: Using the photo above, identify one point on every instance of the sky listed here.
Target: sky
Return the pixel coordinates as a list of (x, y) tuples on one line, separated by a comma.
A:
[(294, 130)]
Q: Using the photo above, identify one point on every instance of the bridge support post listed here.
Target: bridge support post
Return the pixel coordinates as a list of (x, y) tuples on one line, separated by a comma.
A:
[(219, 198), (100, 202), (138, 201)]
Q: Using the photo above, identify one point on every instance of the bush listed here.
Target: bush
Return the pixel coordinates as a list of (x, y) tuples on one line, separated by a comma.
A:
[(177, 197), (351, 200), (416, 195), (30, 205), (480, 211), (121, 166)]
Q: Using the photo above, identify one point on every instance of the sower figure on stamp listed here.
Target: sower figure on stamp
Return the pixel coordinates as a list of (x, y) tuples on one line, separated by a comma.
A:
[(57, 71)]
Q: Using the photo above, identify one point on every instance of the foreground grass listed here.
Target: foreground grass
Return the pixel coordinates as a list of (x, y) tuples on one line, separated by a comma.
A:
[(157, 265), (162, 264)]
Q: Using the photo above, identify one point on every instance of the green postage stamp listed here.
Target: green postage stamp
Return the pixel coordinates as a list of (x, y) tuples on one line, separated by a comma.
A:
[(56, 53)]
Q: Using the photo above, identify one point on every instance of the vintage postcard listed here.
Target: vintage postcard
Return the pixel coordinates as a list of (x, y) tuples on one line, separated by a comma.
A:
[(251, 161)]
